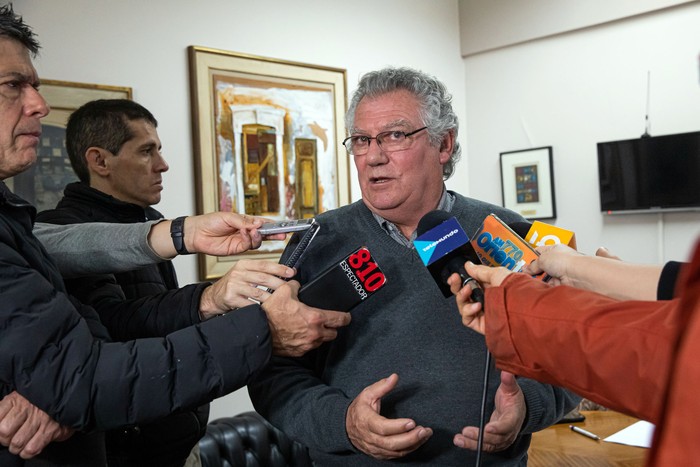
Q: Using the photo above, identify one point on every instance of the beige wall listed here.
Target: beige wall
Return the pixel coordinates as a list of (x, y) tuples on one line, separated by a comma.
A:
[(487, 24)]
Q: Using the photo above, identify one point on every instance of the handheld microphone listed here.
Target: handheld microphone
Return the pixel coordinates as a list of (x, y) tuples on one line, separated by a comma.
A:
[(300, 242), (346, 283), (444, 247), (546, 234), (497, 244), (521, 228)]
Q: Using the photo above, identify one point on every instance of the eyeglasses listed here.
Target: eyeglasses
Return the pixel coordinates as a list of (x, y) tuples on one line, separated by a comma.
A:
[(393, 140)]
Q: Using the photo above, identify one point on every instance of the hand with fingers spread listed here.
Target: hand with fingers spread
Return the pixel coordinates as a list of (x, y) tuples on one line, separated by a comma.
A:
[(505, 423), (25, 429), (377, 436), (297, 328), (240, 284)]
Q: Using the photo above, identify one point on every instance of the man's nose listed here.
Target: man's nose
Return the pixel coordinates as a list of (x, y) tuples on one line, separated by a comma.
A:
[(161, 166), (375, 154), (35, 104)]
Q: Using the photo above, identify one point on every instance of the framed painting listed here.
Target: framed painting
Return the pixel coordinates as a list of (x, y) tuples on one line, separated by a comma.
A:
[(267, 141), (527, 183), (43, 183)]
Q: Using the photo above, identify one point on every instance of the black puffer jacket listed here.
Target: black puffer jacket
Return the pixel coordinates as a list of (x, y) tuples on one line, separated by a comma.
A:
[(166, 442), (107, 293), (50, 354)]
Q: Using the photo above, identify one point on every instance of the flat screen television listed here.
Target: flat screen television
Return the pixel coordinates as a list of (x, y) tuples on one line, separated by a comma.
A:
[(650, 174)]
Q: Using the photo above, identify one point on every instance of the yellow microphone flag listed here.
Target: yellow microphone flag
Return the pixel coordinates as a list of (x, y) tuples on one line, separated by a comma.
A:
[(541, 234)]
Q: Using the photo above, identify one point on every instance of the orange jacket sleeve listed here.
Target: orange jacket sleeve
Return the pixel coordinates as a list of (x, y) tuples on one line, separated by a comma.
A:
[(612, 352)]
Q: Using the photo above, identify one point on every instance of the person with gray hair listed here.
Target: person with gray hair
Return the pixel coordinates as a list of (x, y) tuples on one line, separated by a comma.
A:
[(435, 105), (344, 400)]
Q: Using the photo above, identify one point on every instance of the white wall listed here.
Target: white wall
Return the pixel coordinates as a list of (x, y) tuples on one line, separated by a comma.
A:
[(142, 44), (487, 25), (573, 90)]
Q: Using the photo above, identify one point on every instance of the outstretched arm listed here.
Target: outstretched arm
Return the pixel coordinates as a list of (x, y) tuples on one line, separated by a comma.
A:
[(97, 248), (565, 336), (216, 234), (100, 248), (603, 273)]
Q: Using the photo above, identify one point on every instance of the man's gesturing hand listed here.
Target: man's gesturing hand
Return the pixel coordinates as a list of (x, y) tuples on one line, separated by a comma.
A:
[(377, 436), (506, 420)]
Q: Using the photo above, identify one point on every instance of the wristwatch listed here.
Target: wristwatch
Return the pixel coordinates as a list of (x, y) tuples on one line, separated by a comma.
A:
[(178, 235)]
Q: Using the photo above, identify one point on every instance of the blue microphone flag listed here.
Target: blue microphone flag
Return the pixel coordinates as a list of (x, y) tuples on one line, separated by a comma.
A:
[(439, 241)]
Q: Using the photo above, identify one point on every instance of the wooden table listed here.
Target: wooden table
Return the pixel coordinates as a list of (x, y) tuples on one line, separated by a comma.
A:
[(559, 446)]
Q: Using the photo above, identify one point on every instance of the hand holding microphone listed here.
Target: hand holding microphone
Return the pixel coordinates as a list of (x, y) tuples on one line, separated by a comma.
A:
[(473, 313), (554, 260), (468, 287)]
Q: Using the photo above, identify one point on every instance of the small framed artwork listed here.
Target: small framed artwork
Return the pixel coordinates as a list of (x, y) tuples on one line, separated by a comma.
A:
[(527, 183), (43, 183), (267, 141)]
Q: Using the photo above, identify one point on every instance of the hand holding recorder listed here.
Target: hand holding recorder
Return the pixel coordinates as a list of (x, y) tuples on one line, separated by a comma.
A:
[(215, 233), (286, 226), (248, 280)]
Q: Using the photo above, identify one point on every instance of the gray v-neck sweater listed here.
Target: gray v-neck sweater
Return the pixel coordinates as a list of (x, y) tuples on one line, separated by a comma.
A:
[(407, 328)]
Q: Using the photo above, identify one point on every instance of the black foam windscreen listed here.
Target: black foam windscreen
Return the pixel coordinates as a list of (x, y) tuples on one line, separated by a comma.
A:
[(431, 220), (520, 227)]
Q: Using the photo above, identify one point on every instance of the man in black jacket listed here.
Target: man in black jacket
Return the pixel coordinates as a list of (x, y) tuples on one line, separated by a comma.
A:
[(115, 150), (53, 350)]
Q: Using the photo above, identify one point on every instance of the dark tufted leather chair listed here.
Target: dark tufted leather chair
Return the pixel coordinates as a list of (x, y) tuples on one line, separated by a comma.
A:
[(248, 440)]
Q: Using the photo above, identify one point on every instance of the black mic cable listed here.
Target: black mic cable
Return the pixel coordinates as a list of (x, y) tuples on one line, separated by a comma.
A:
[(456, 266), (478, 296), (482, 416)]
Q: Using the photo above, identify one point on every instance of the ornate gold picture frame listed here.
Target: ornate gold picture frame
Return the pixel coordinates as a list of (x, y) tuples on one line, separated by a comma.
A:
[(267, 140)]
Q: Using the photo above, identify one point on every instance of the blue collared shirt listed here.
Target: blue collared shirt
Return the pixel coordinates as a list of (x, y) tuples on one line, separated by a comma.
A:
[(447, 200)]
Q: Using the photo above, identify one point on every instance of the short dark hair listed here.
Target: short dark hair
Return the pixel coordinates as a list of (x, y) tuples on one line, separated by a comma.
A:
[(103, 123), (12, 26)]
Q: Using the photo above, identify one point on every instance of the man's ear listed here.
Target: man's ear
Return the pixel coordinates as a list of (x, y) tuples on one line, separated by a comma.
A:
[(446, 146), (96, 160)]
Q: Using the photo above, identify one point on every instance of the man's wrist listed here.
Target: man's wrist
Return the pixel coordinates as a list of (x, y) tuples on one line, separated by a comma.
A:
[(177, 233), (159, 241), (208, 307)]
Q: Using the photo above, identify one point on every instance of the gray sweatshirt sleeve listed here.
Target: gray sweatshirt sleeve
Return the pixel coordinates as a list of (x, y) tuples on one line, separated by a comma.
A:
[(97, 247)]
